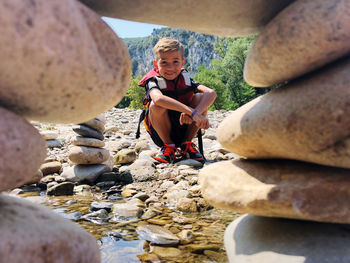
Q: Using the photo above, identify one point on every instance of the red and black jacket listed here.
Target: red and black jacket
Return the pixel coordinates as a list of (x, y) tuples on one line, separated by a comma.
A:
[(181, 89)]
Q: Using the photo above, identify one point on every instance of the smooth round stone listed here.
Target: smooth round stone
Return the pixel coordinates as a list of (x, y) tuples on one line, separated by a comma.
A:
[(86, 131), (221, 17), (65, 188), (279, 188), (307, 120), (303, 37), (263, 240), (72, 65), (86, 141), (102, 118), (95, 124), (157, 234), (125, 156), (33, 232), (85, 172), (49, 135), (87, 155), (22, 150)]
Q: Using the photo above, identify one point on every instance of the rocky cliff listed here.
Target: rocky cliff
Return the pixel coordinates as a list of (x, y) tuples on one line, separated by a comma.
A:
[(199, 49)]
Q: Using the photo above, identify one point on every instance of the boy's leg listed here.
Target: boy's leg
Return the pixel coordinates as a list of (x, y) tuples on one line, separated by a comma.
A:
[(161, 123), (192, 128)]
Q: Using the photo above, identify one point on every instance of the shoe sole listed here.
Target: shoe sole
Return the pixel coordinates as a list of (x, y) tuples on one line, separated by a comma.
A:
[(160, 160)]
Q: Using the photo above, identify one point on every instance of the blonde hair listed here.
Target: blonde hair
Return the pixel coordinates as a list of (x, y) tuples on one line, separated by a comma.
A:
[(166, 44)]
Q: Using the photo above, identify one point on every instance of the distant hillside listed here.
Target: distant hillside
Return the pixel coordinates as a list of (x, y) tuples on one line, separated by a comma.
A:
[(199, 49)]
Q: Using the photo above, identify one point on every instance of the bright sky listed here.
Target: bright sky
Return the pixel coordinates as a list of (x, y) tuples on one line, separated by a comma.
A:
[(125, 29)]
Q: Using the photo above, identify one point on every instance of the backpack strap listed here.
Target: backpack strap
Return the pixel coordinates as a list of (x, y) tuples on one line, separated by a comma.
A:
[(200, 142)]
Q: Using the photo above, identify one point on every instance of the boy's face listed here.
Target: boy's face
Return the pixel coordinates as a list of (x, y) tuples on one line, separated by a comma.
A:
[(169, 64)]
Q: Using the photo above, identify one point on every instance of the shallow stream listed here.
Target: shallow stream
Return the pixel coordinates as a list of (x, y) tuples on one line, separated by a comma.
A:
[(120, 242)]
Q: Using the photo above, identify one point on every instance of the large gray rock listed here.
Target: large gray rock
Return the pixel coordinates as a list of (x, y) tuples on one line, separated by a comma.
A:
[(303, 37), (221, 17), (265, 240), (308, 120), (22, 150), (60, 63), (85, 172), (279, 188), (33, 233)]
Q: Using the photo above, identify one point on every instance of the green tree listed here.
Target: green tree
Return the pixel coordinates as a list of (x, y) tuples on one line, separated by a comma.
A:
[(230, 70), (135, 94), (211, 79)]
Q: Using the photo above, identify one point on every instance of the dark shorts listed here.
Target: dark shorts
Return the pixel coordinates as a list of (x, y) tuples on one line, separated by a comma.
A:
[(177, 133)]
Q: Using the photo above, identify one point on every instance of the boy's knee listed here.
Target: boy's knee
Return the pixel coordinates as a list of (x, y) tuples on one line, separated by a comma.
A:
[(196, 99), (155, 109)]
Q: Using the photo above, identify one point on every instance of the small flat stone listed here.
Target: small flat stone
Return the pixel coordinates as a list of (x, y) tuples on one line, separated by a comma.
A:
[(95, 124), (51, 167), (65, 188), (49, 135), (86, 141), (86, 131), (54, 143)]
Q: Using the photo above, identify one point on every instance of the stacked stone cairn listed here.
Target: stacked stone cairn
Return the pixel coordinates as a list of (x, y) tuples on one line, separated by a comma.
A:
[(87, 154), (294, 140), (60, 63)]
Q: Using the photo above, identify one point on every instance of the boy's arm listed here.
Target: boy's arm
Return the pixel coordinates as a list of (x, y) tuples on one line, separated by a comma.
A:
[(169, 103), (208, 98)]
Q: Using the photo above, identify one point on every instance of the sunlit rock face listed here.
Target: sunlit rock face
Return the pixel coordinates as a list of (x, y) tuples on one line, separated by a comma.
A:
[(60, 62), (222, 17), (22, 150), (303, 37), (37, 234), (307, 120), (278, 188)]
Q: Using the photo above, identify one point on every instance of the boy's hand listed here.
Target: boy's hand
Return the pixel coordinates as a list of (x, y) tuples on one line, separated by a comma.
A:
[(185, 119), (201, 121)]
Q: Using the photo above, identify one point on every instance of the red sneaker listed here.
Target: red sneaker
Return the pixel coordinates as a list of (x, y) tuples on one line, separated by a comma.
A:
[(190, 151), (166, 154)]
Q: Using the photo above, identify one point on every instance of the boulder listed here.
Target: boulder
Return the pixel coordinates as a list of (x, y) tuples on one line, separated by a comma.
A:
[(307, 120), (87, 155), (221, 17), (60, 63), (279, 188), (303, 37), (263, 240), (35, 233), (22, 150)]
